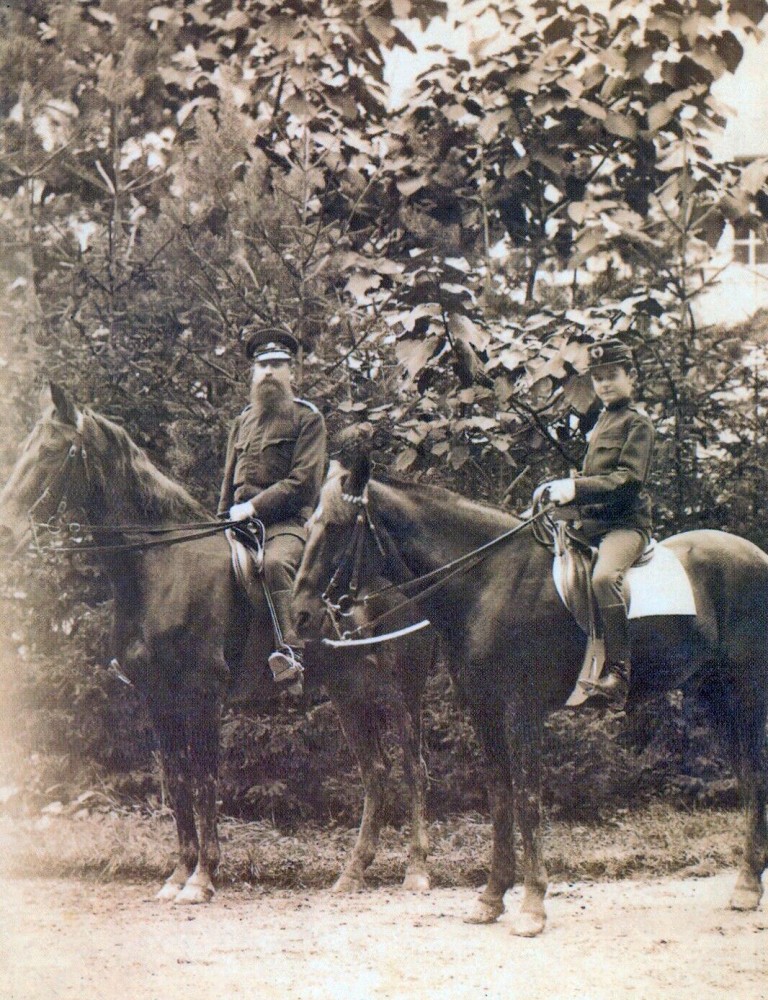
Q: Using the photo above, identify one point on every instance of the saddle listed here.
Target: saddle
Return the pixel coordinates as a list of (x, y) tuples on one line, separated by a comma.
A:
[(655, 584)]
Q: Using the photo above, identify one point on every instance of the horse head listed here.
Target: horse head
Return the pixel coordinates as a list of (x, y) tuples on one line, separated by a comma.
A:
[(329, 531), (41, 484)]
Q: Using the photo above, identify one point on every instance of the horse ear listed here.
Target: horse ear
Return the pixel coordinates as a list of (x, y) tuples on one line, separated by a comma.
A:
[(359, 474), (67, 412)]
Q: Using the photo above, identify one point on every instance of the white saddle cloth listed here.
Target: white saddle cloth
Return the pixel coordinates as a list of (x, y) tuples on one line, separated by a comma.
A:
[(660, 586)]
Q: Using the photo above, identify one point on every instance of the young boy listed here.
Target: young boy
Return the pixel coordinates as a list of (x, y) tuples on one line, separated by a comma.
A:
[(615, 510)]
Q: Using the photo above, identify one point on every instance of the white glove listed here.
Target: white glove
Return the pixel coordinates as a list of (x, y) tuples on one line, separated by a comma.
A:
[(242, 511), (562, 491)]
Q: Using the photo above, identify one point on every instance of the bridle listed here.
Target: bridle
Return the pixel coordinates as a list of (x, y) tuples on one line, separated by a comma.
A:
[(340, 598), (59, 486)]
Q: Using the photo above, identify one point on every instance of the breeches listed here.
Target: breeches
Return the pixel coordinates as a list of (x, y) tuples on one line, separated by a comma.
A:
[(617, 551), (282, 555)]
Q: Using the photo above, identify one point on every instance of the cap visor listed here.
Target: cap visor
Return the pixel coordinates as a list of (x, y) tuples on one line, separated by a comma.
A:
[(273, 356)]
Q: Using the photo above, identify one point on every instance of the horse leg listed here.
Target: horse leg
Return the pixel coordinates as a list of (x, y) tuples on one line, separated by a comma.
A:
[(739, 721), (361, 732), (171, 734), (415, 773), (524, 735), (489, 727), (204, 726)]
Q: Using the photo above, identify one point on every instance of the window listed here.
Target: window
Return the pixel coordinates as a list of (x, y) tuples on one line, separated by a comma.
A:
[(750, 247)]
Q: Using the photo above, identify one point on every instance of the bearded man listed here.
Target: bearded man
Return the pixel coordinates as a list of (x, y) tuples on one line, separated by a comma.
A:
[(275, 465)]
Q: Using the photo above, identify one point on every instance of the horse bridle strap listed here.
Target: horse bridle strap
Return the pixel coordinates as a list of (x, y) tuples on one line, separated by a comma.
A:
[(59, 483), (440, 575)]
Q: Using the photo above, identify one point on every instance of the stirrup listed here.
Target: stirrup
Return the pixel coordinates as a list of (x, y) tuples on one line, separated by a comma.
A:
[(285, 664), (610, 691)]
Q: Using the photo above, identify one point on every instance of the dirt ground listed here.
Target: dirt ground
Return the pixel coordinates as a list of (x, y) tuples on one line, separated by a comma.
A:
[(644, 940)]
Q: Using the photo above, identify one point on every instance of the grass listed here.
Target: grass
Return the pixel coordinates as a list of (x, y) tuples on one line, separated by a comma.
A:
[(114, 845)]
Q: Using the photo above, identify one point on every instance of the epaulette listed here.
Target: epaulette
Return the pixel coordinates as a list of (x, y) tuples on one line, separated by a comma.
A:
[(306, 402)]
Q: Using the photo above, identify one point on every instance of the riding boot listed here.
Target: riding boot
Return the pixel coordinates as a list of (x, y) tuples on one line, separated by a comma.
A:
[(611, 690), (286, 662)]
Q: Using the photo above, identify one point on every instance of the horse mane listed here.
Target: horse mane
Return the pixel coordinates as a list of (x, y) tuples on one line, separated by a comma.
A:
[(134, 485), (431, 491)]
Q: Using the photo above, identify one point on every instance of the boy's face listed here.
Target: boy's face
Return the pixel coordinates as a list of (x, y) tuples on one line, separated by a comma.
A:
[(612, 383)]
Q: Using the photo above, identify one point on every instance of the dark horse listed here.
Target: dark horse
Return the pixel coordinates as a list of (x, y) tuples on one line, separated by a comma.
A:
[(187, 637), (515, 651)]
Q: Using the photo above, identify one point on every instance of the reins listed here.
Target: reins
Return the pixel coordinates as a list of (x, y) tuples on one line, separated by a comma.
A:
[(440, 575), (194, 531)]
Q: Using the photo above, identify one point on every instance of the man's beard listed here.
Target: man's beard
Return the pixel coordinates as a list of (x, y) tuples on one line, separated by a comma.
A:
[(271, 398)]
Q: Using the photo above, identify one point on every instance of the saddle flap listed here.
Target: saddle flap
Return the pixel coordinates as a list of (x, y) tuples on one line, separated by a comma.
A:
[(247, 560), (572, 574)]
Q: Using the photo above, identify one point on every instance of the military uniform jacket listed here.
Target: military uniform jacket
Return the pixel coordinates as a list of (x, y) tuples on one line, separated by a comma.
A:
[(278, 464), (609, 490)]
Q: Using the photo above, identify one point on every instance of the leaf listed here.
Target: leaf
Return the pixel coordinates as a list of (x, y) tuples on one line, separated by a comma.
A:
[(578, 211), (414, 354), (754, 10), (409, 319), (161, 13), (459, 263), (753, 177), (674, 160), (658, 115), (620, 125), (299, 108), (463, 328), (381, 29), (102, 15), (591, 109), (579, 393), (459, 455), (483, 423), (587, 243), (360, 285), (280, 31), (488, 128), (511, 358), (405, 459), (410, 186)]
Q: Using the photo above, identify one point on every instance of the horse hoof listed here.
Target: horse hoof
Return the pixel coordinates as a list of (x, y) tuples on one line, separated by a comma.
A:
[(528, 924), (484, 912), (416, 882), (347, 883), (169, 892), (192, 894), (745, 899)]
